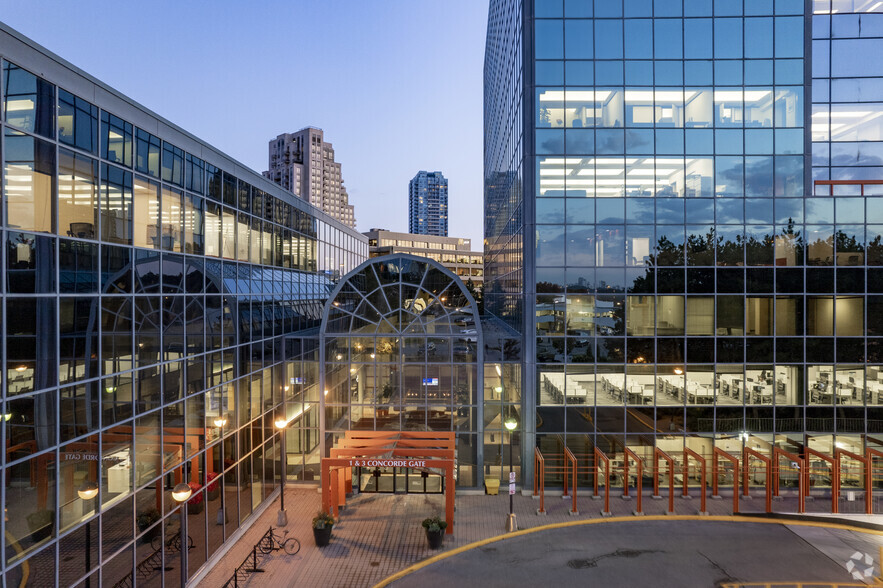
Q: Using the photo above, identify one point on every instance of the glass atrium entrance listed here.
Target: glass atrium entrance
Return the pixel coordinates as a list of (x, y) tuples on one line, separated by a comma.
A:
[(394, 480)]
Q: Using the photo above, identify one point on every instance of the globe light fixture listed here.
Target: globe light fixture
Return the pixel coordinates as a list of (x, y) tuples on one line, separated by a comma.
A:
[(220, 421), (182, 492), (88, 490)]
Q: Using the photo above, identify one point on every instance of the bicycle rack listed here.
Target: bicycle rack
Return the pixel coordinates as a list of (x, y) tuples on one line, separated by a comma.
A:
[(241, 572)]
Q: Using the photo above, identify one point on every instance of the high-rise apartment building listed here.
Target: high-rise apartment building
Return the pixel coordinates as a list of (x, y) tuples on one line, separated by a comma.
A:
[(683, 221), (428, 204), (303, 163)]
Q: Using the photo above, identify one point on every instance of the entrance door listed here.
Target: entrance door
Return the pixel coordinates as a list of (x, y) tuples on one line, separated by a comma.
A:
[(399, 480)]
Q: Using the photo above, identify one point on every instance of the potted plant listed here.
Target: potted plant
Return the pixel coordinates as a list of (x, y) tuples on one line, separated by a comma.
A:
[(322, 524), (196, 502), (435, 531), (213, 485), (146, 520), (41, 523)]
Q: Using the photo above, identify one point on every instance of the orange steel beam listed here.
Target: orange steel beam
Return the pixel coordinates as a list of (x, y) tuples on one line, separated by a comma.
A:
[(601, 458), (568, 456), (746, 451), (872, 453), (718, 454), (640, 465), (801, 476), (835, 476), (657, 455), (688, 453), (539, 478), (866, 468)]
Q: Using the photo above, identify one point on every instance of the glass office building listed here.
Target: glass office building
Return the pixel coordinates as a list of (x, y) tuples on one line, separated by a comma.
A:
[(161, 305), (682, 202)]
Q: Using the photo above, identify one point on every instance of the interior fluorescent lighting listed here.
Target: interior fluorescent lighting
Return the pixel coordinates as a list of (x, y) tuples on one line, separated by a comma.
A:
[(575, 96), (737, 95), (843, 113), (18, 105)]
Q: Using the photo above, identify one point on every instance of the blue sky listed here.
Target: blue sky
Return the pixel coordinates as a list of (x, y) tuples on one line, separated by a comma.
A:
[(395, 84)]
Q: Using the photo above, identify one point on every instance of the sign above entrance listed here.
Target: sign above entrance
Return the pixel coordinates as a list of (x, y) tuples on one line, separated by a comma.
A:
[(388, 463), (430, 381)]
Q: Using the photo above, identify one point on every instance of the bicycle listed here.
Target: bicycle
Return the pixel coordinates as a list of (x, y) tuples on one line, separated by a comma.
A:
[(173, 543), (271, 542)]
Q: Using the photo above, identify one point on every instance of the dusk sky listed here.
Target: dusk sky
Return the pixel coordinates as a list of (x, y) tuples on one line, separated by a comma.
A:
[(395, 84)]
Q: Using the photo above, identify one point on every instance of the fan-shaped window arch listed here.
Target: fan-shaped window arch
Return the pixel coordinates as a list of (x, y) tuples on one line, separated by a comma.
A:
[(402, 350)]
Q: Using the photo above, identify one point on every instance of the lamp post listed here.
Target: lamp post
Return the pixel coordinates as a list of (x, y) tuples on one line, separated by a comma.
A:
[(511, 525), (87, 492), (282, 517), (220, 422), (181, 494)]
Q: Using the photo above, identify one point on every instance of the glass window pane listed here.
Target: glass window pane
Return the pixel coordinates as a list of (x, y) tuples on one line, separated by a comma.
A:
[(29, 182), (77, 195), (28, 101)]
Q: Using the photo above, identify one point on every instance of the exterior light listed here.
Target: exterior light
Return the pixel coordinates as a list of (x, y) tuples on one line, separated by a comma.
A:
[(339, 357), (182, 492), (21, 368), (372, 356), (220, 421), (110, 389), (678, 371), (7, 416), (511, 525), (88, 490), (281, 423), (325, 393)]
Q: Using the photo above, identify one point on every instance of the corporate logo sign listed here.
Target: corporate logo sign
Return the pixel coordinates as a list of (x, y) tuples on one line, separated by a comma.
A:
[(860, 565)]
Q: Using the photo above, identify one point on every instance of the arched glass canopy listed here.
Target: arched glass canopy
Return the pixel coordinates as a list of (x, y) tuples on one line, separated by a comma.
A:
[(402, 351)]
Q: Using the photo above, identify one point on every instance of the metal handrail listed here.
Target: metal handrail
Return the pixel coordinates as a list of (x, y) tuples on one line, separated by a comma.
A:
[(625, 478), (720, 453), (802, 476), (539, 478), (572, 459), (657, 454), (688, 453), (599, 458)]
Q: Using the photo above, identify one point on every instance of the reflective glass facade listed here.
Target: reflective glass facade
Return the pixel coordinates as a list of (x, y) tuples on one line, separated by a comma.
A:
[(692, 277), (161, 306)]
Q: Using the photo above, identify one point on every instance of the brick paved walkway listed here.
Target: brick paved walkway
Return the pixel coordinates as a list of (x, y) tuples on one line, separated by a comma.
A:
[(380, 534)]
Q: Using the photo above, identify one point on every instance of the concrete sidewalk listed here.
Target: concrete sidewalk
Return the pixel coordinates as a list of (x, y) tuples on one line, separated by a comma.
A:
[(380, 534)]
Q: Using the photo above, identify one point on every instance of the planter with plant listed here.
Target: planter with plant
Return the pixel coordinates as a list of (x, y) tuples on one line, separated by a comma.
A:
[(196, 504), (435, 531), (213, 486), (41, 523), (322, 524), (147, 520)]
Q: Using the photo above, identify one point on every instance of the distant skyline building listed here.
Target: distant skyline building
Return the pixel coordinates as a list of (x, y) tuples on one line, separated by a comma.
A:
[(303, 163), (428, 204), (454, 253)]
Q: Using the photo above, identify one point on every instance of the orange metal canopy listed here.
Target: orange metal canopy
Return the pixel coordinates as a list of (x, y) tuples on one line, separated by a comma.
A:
[(413, 449)]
